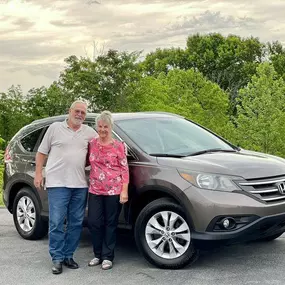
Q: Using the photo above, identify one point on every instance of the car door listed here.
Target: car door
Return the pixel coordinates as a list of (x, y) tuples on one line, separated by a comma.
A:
[(31, 143)]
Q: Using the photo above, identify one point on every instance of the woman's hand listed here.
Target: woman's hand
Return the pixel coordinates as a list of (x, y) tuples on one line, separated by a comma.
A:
[(124, 194)]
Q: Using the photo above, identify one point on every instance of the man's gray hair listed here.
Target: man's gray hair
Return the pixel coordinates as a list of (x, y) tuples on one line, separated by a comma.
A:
[(105, 116), (78, 102)]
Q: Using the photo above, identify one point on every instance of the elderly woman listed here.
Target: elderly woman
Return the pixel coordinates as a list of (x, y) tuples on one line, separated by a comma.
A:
[(109, 178)]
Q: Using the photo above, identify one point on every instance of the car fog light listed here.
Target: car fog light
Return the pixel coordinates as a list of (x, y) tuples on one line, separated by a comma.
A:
[(226, 223), (229, 223)]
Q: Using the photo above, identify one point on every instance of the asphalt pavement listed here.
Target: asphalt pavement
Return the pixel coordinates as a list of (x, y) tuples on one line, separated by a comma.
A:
[(27, 262)]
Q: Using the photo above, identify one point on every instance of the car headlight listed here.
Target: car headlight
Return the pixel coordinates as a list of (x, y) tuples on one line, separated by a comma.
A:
[(210, 181)]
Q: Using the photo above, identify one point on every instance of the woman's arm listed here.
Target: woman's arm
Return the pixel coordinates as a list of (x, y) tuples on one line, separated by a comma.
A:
[(124, 173)]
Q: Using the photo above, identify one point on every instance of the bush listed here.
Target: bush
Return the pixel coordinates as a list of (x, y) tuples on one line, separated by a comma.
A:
[(1, 185), (1, 169)]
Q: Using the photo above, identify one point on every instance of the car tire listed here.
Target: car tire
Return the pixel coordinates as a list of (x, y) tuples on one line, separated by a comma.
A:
[(270, 238), (159, 243), (26, 215)]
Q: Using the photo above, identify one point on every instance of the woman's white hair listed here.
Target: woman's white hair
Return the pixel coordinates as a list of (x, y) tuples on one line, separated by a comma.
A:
[(105, 116)]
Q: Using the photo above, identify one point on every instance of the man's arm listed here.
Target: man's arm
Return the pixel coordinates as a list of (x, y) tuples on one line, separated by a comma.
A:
[(40, 161), (42, 155)]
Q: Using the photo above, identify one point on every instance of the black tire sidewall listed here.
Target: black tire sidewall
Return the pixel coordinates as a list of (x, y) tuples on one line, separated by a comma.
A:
[(151, 209), (28, 193)]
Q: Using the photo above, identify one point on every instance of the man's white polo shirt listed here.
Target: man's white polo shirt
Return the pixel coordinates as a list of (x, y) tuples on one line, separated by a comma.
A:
[(66, 150)]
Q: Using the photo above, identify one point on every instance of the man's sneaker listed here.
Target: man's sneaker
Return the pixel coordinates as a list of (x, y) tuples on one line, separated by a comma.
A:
[(93, 262), (107, 264)]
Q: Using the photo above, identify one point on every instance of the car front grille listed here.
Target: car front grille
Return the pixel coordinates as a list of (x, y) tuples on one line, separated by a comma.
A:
[(270, 190)]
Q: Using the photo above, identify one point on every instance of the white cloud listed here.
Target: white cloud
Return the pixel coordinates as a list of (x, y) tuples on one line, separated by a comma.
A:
[(36, 35)]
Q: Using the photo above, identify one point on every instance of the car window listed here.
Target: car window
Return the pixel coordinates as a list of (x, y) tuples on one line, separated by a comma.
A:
[(114, 136), (91, 124), (29, 142), (175, 136)]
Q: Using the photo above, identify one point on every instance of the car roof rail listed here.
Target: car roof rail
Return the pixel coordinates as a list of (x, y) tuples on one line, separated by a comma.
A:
[(163, 113), (48, 119)]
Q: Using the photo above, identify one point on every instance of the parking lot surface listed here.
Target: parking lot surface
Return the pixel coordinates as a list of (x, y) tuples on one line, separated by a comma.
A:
[(27, 262)]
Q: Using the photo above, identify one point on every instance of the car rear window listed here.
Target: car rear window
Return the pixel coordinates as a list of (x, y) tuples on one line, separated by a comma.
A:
[(29, 142)]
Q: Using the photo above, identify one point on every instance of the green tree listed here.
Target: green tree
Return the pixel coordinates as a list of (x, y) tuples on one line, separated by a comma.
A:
[(2, 143), (186, 93), (229, 61), (45, 102), (13, 113), (1, 167), (102, 82), (164, 60), (1, 153), (260, 112), (277, 57)]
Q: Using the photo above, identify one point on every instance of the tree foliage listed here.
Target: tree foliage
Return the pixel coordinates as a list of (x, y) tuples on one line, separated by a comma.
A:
[(277, 57), (232, 85), (1, 167), (229, 61), (164, 60), (187, 93), (102, 82), (260, 115), (1, 153), (45, 102), (13, 113)]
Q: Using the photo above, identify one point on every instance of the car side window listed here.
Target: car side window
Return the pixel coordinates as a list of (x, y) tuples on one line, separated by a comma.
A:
[(90, 124), (29, 142), (130, 156)]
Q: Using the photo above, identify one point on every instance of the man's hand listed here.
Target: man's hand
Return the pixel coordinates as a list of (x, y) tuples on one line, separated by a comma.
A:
[(38, 181)]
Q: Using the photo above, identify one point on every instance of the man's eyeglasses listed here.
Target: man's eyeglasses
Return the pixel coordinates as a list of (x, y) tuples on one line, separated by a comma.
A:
[(80, 112)]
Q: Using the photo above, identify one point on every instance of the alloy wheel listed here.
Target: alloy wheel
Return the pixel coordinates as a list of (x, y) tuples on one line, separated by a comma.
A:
[(26, 215), (167, 234)]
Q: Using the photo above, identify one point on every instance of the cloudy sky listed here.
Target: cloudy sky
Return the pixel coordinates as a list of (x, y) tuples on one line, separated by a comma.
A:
[(36, 35)]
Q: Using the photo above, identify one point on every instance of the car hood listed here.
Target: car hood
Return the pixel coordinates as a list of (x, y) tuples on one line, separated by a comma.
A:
[(246, 164)]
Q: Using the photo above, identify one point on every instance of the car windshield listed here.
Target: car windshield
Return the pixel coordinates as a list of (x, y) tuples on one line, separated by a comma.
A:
[(175, 136)]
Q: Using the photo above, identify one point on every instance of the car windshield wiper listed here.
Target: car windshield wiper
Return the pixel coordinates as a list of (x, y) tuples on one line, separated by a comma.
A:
[(167, 155), (211, 150)]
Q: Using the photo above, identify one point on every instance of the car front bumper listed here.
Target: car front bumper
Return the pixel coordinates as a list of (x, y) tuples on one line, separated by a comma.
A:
[(261, 228), (204, 206)]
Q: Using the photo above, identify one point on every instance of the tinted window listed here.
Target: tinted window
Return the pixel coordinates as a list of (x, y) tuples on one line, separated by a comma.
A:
[(29, 142), (91, 124), (170, 136)]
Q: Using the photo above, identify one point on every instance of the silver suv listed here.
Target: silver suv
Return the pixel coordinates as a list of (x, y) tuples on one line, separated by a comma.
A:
[(188, 188)]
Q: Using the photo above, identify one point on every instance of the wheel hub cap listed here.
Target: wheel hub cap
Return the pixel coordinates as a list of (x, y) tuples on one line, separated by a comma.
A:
[(167, 234), (26, 214)]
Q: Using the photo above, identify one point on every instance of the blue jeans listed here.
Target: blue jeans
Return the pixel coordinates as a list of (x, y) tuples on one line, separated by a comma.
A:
[(65, 204)]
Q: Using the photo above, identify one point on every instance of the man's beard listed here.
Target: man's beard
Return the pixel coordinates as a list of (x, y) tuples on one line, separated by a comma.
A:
[(76, 122)]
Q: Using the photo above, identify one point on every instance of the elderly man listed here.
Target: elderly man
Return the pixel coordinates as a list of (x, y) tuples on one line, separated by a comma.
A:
[(65, 144)]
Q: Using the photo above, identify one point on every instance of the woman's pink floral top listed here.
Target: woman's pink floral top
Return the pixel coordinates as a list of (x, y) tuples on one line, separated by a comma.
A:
[(109, 167)]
